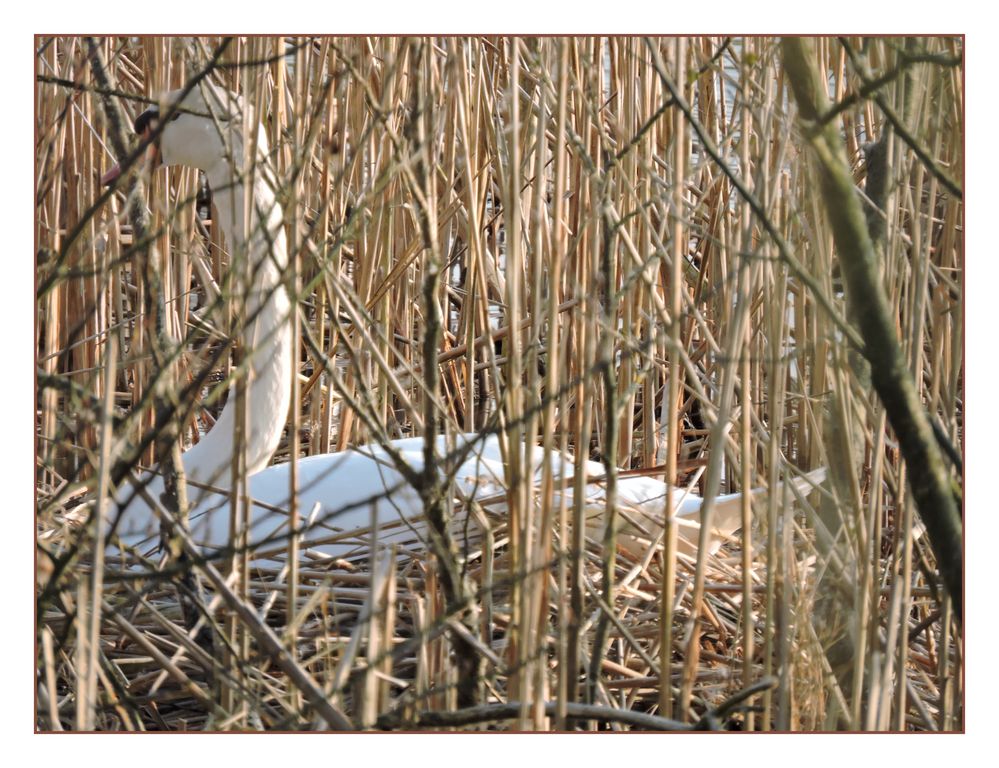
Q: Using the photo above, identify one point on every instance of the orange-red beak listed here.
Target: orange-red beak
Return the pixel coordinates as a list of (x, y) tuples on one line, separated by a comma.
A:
[(144, 125)]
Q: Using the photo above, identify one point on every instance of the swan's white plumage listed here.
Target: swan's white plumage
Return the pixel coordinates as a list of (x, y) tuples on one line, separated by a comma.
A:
[(340, 491), (214, 144), (347, 491)]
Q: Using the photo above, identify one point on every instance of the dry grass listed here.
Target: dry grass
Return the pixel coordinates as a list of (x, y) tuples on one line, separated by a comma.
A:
[(604, 288)]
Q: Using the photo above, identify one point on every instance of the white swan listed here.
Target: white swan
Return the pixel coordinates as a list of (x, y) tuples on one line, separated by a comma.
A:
[(341, 493)]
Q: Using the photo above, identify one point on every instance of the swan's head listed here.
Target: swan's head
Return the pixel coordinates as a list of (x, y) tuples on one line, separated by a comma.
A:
[(202, 129)]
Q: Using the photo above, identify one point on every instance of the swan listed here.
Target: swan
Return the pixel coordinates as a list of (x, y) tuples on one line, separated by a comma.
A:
[(354, 497)]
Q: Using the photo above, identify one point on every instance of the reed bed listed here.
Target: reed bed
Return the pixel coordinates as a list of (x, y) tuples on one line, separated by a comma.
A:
[(568, 218)]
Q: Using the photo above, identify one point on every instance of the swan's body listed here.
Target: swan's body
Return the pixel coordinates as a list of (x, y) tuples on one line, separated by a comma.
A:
[(341, 493), (344, 497)]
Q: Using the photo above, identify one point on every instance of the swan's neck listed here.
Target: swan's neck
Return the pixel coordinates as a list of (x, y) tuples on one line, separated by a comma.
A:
[(266, 339)]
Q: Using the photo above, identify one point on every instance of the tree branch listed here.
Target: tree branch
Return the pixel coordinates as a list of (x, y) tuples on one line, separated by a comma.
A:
[(891, 377)]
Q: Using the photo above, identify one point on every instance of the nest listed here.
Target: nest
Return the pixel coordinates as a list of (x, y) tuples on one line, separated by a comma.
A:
[(372, 631)]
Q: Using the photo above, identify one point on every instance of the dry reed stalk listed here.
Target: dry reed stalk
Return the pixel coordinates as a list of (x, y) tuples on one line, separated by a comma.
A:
[(673, 424)]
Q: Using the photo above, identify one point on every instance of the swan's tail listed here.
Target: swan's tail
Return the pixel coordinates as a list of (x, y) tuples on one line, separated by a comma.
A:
[(727, 517), (642, 523)]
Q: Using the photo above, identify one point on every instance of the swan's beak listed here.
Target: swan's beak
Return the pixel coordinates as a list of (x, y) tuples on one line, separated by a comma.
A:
[(108, 178), (144, 125)]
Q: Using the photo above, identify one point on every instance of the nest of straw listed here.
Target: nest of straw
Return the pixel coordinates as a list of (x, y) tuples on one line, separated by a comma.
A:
[(373, 632)]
